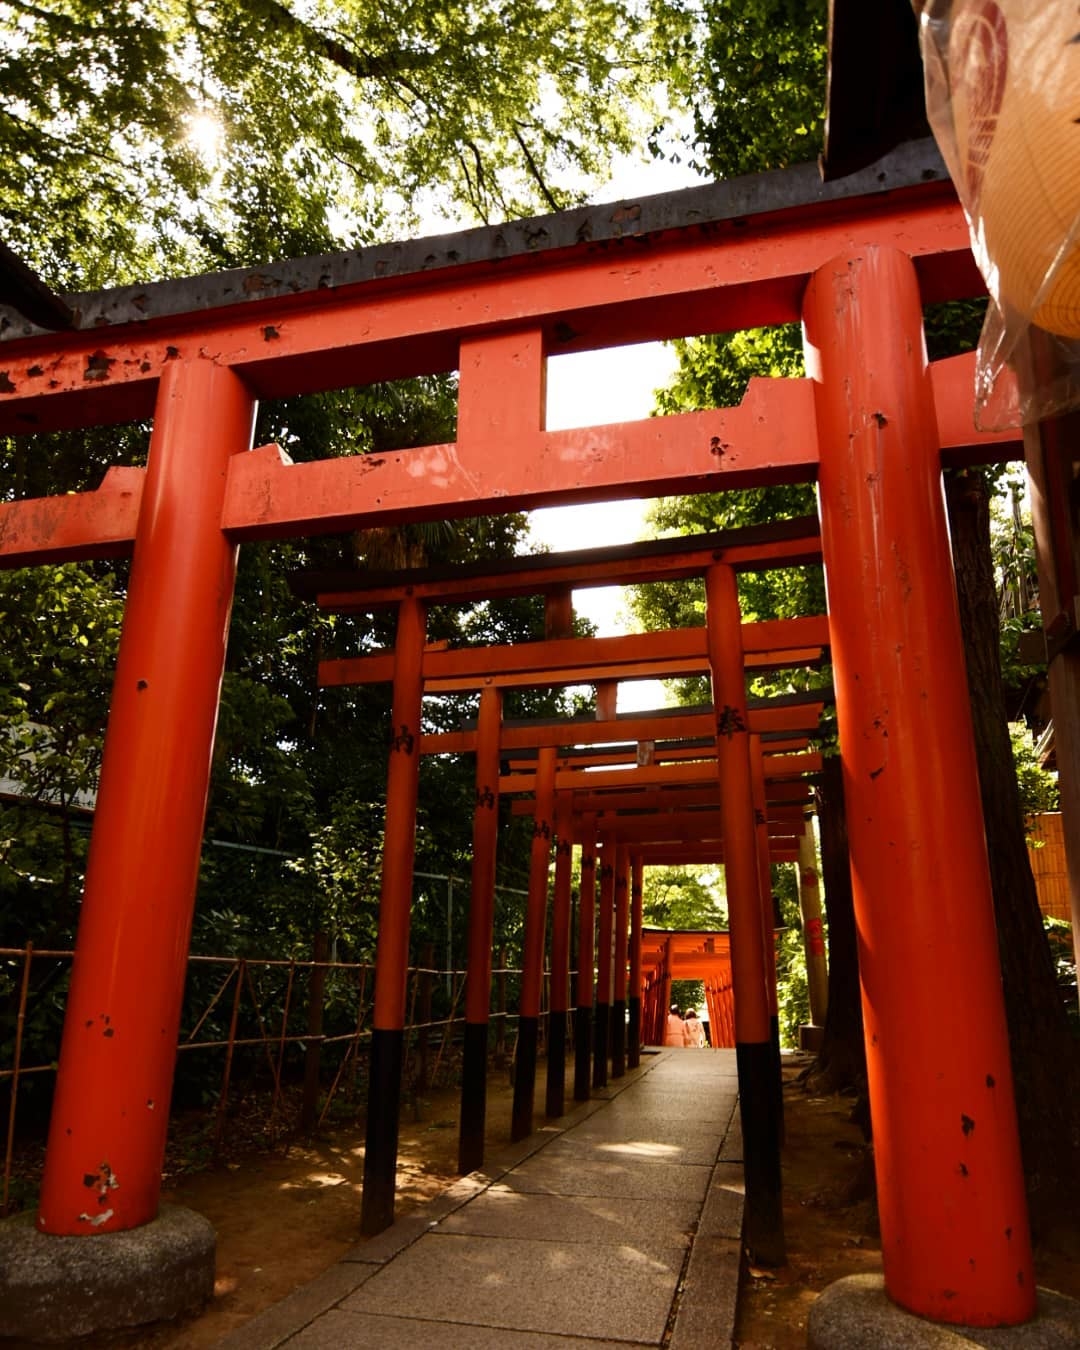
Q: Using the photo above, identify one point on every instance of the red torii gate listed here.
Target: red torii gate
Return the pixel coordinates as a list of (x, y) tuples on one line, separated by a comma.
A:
[(561, 659), (872, 420), (687, 954)]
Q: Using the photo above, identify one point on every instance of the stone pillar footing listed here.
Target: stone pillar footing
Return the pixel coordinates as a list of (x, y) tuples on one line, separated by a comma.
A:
[(855, 1313), (57, 1288)]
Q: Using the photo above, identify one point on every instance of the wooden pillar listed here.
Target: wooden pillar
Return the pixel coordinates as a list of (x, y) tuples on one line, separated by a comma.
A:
[(622, 948), (586, 960), (768, 920), (559, 1002), (637, 876), (954, 1224), (1050, 451), (604, 931), (817, 975), (111, 1108), (395, 908), (481, 929), (532, 973), (753, 1038)]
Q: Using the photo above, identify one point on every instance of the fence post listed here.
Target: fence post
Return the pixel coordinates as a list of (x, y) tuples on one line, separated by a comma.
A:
[(500, 1009), (316, 990), (423, 1036)]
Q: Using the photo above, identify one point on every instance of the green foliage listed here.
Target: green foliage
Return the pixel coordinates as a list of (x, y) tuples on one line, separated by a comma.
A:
[(169, 137), (684, 897), (1038, 786), (753, 76), (792, 991), (1059, 936)]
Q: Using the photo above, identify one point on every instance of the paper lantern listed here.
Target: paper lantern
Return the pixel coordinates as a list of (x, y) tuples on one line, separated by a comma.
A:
[(1014, 72)]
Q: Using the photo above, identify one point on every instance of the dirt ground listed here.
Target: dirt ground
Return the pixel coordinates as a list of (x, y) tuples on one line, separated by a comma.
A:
[(283, 1217)]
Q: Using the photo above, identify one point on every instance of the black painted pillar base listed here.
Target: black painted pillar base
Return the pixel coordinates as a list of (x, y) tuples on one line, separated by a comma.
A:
[(524, 1078), (763, 1231), (600, 1045), (383, 1119), (582, 1051), (778, 1077), (555, 1100), (473, 1097), (633, 1033), (618, 1038)]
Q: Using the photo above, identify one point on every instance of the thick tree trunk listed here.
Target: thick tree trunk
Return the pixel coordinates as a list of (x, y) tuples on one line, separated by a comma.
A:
[(1045, 1057), (841, 1064)]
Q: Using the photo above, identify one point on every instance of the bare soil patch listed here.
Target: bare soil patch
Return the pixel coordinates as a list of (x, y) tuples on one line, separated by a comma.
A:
[(831, 1225)]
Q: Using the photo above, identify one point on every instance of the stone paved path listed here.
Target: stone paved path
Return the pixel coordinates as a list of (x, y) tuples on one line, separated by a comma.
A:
[(617, 1226)]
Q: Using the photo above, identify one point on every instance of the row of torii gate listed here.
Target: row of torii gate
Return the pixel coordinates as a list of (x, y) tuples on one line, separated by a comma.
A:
[(662, 807), (872, 423)]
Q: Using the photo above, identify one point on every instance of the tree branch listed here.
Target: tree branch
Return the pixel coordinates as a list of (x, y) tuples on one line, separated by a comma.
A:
[(534, 171)]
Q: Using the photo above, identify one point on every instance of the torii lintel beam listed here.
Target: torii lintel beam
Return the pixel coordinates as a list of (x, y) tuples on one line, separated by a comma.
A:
[(584, 660), (769, 437), (750, 548), (532, 736)]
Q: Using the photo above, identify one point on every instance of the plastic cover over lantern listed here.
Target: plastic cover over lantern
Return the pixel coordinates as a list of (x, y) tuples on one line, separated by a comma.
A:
[(1003, 98)]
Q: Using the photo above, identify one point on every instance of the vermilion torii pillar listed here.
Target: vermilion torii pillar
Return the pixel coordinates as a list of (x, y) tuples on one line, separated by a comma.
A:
[(768, 919), (111, 1109), (621, 951), (559, 1000), (604, 931), (954, 1233), (532, 961), (586, 959), (395, 911), (481, 927), (637, 895), (764, 1233)]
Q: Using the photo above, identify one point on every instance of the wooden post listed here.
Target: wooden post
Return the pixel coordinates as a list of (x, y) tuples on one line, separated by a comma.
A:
[(425, 979), (753, 1033), (586, 960), (637, 881), (817, 975), (621, 945), (499, 1057), (309, 1102), (395, 905), (559, 1000), (481, 928), (532, 974), (603, 958)]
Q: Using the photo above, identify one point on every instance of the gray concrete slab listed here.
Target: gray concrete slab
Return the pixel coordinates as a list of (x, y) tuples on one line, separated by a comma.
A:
[(706, 1313), (569, 1288), (613, 1146), (277, 1324), (610, 1220), (338, 1329), (601, 1230), (722, 1213), (636, 1178)]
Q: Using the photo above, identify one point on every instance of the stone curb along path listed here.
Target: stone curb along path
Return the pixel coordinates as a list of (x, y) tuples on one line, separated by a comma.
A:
[(618, 1225)]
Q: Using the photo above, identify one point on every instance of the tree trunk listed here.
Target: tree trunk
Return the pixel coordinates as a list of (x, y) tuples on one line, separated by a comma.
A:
[(1045, 1058), (841, 1064)]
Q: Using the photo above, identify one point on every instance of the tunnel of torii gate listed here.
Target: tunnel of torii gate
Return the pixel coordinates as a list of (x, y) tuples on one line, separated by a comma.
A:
[(668, 801), (872, 423), (687, 954)]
